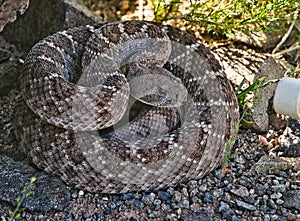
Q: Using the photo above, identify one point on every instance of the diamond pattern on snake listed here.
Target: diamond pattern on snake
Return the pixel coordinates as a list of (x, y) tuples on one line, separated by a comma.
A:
[(124, 106)]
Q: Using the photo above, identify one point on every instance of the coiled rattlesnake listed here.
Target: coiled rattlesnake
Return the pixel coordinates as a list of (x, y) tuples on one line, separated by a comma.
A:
[(77, 82)]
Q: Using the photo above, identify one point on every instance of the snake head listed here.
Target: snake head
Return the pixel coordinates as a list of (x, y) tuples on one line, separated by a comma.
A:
[(154, 85)]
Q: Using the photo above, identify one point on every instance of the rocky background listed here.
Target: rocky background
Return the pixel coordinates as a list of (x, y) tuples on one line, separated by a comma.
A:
[(260, 182)]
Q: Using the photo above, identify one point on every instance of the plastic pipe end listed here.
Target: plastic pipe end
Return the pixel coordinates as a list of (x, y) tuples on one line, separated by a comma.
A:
[(287, 97)]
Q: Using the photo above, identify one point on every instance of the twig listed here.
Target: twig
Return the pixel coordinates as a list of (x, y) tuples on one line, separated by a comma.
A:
[(295, 46), (287, 34)]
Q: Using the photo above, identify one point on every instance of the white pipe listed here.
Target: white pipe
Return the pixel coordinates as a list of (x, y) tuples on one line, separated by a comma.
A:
[(287, 97)]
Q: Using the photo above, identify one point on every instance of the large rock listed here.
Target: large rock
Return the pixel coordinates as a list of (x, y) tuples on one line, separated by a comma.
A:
[(271, 70), (49, 192), (10, 9), (44, 17), (273, 165)]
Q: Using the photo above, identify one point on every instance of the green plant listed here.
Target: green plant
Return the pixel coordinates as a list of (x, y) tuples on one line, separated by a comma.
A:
[(226, 16), (244, 96), (228, 152), (27, 191)]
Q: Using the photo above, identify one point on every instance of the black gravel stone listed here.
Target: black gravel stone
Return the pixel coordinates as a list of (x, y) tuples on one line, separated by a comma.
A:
[(127, 196), (137, 203), (164, 195), (209, 198), (147, 199), (260, 189), (226, 211)]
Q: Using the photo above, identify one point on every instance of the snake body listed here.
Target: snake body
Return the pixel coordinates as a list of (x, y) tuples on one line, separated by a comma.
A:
[(60, 121)]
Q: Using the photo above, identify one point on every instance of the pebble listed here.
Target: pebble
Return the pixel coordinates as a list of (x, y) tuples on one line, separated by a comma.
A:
[(127, 196), (240, 191), (228, 196), (176, 197), (184, 204), (245, 205), (225, 209), (279, 201), (260, 189), (209, 198), (164, 195), (157, 203), (276, 195), (137, 203), (147, 199), (279, 188), (203, 187), (272, 204), (185, 192)]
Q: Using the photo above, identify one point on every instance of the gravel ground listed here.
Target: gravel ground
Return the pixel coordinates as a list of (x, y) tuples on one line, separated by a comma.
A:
[(235, 191)]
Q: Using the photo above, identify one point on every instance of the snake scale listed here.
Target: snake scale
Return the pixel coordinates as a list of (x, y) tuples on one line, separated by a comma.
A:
[(62, 118)]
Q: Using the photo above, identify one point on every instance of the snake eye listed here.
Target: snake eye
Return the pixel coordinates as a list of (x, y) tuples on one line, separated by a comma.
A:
[(161, 91)]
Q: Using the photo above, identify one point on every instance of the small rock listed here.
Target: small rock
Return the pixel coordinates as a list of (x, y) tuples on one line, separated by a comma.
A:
[(170, 217), (203, 187), (74, 195), (176, 197), (184, 204), (240, 191), (147, 199), (80, 193), (195, 207), (267, 217), (137, 203), (272, 165), (127, 196), (99, 215), (239, 159), (224, 208), (209, 198), (279, 201), (272, 204), (163, 195), (244, 205), (153, 214), (86, 215), (157, 203), (276, 196), (279, 188), (185, 192)]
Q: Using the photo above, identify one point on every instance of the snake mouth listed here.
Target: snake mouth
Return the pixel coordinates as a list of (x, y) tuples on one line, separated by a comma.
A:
[(154, 85)]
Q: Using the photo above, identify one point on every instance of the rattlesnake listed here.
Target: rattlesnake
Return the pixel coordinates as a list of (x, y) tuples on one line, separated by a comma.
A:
[(59, 123)]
